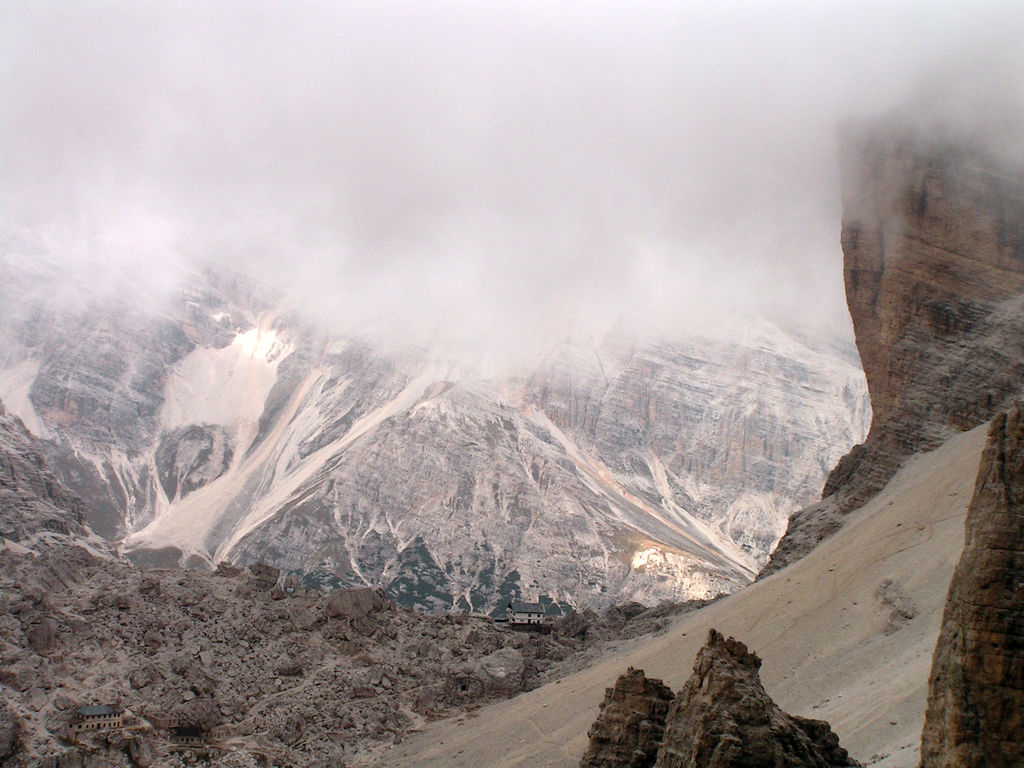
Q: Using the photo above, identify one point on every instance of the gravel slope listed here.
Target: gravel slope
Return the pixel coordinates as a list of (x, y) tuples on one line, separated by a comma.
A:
[(828, 628)]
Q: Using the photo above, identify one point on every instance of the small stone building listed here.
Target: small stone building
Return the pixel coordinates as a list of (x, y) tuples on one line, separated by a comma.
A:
[(187, 736), (525, 613), (97, 718)]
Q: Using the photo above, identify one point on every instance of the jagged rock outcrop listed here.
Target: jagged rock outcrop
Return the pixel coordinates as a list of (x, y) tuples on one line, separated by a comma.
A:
[(723, 718), (975, 715), (933, 246), (631, 723)]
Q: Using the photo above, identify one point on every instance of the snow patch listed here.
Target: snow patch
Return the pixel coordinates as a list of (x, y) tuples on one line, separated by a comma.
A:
[(227, 386)]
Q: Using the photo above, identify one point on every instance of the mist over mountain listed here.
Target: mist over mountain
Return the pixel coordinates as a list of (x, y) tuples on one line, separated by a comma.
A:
[(229, 427), (480, 178), (438, 307)]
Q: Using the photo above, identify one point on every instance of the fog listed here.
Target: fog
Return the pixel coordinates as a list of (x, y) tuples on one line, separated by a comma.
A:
[(490, 175)]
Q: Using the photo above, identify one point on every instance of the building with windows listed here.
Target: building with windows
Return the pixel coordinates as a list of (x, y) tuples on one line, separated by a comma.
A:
[(186, 736), (525, 613), (97, 718)]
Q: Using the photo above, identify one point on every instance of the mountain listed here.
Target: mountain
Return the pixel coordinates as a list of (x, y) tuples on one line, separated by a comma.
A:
[(222, 395), (224, 426)]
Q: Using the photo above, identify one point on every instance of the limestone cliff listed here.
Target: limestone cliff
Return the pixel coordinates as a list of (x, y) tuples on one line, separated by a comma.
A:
[(217, 424), (933, 246), (975, 711)]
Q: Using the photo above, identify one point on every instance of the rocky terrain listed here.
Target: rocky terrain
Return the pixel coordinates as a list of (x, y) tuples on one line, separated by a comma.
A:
[(976, 693), (266, 669), (218, 424), (933, 246), (301, 678)]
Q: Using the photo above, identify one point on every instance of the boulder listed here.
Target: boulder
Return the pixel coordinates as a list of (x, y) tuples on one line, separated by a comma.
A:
[(264, 576), (140, 752), (18, 676), (353, 603), (901, 608), (9, 735), (502, 671), (43, 637)]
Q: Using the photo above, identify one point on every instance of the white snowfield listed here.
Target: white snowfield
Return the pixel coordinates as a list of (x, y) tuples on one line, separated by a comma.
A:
[(817, 625)]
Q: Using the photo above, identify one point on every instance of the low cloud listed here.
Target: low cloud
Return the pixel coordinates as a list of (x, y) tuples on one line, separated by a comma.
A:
[(489, 175)]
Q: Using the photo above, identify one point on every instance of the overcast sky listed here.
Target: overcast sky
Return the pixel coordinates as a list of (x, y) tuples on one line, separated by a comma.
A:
[(498, 171)]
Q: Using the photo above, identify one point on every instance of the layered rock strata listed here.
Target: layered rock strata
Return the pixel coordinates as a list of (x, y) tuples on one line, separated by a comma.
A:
[(631, 723), (975, 713), (33, 503), (723, 718), (933, 246), (223, 425)]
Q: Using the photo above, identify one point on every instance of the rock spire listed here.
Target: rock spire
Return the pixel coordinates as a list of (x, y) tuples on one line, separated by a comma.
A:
[(629, 727)]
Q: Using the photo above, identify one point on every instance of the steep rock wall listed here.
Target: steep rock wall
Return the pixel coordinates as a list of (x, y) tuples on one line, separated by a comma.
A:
[(221, 425), (33, 502), (975, 711), (933, 246)]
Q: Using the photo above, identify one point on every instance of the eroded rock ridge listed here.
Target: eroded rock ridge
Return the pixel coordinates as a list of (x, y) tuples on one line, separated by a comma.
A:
[(631, 723)]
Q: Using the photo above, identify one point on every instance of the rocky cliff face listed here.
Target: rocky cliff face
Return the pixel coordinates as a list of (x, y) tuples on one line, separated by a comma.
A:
[(34, 505), (975, 711), (722, 718), (218, 427), (631, 723), (933, 245)]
